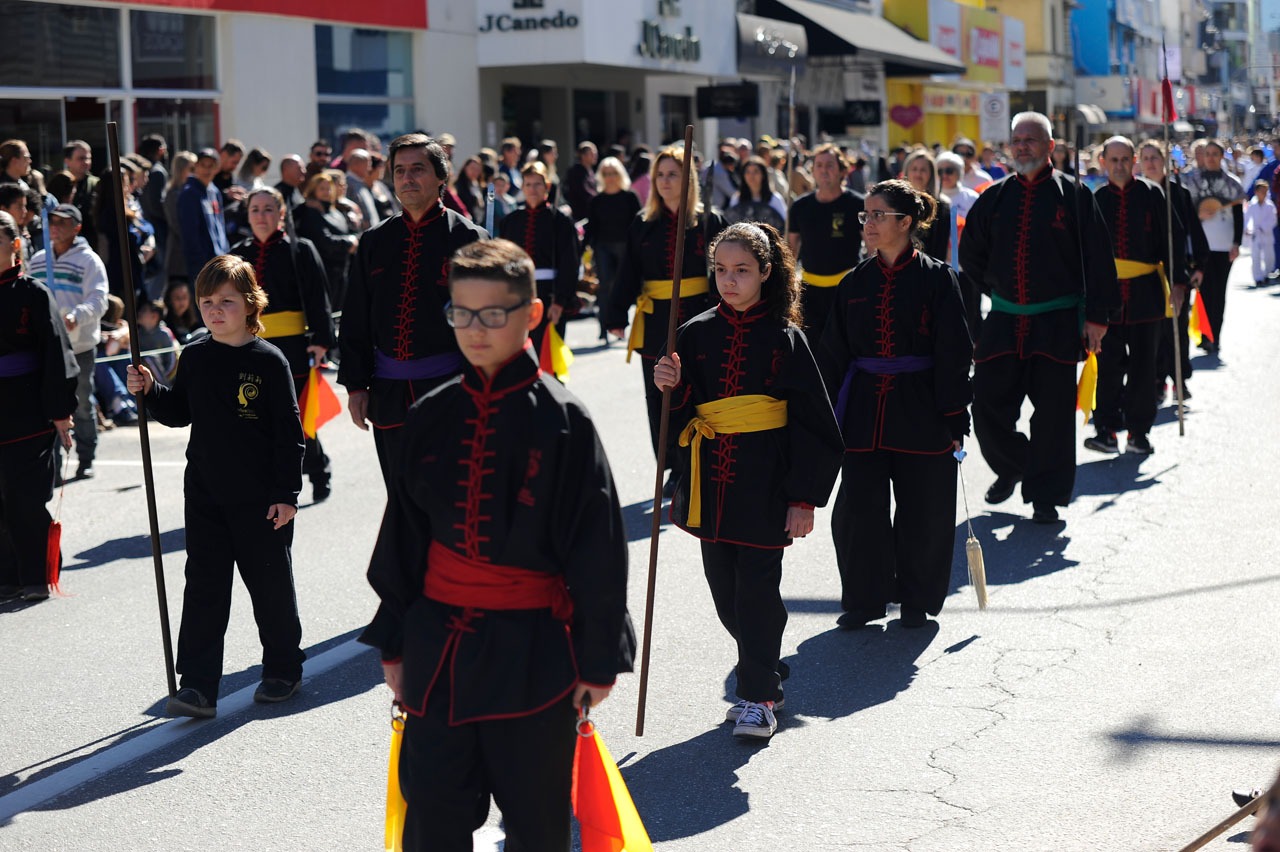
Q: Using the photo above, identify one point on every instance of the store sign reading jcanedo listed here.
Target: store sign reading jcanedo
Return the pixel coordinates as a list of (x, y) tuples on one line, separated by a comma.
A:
[(657, 43), (384, 13), (526, 21)]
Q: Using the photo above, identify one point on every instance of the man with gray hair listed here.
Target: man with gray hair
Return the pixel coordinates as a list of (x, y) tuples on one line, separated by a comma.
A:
[(1035, 243), (1134, 211), (359, 165)]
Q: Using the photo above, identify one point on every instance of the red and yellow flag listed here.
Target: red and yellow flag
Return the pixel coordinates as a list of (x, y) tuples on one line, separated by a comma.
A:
[(607, 817), (318, 403), (1198, 326), (555, 357), (1087, 387)]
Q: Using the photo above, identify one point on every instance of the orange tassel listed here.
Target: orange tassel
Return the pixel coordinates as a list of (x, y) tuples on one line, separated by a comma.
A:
[(53, 557)]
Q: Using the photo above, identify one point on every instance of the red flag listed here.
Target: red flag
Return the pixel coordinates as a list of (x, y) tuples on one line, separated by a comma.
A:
[(318, 403), (53, 557), (1170, 111), (607, 817)]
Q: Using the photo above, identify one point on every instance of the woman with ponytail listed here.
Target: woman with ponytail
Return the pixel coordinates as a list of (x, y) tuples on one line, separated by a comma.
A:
[(758, 450), (896, 356)]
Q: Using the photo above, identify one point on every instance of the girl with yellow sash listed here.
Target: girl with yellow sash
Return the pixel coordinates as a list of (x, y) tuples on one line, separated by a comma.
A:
[(297, 320), (759, 449), (648, 262)]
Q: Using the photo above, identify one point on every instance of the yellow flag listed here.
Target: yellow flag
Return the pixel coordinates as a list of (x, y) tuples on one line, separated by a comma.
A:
[(396, 805), (1087, 387)]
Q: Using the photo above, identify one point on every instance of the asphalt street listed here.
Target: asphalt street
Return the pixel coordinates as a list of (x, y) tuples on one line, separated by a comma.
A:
[(1121, 683)]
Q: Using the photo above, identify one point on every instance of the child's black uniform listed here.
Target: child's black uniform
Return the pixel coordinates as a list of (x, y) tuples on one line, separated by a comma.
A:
[(644, 279), (502, 569), (395, 342), (750, 479), (38, 385), (550, 238), (298, 315), (244, 455), (899, 352)]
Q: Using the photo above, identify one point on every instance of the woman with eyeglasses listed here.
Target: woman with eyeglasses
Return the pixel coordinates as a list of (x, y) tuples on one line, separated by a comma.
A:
[(896, 359), (920, 172)]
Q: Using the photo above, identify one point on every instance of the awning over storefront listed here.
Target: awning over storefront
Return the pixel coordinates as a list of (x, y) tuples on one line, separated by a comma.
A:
[(766, 46), (1092, 114), (865, 35)]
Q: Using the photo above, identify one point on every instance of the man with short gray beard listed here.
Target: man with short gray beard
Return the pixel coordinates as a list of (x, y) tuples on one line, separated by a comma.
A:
[(1035, 243)]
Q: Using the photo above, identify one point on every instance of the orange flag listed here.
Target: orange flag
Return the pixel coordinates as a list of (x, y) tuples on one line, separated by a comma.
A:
[(1198, 325), (1087, 387), (318, 403), (555, 356), (607, 817)]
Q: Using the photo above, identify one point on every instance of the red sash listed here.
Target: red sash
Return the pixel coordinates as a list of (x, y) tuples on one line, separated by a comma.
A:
[(458, 581)]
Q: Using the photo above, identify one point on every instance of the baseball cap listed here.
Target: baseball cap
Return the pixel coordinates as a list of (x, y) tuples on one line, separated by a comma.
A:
[(68, 211), (446, 139), (206, 154)]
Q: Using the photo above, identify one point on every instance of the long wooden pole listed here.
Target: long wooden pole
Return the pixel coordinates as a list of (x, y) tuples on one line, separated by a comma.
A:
[(672, 323), (148, 476), (1166, 108), (1249, 809)]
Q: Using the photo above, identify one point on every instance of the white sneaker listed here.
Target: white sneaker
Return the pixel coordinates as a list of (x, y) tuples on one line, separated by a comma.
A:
[(756, 720), (732, 714)]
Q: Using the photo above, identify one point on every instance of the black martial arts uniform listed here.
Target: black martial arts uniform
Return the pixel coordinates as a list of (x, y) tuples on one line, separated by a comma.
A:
[(1023, 244), (550, 238), (750, 479), (830, 244), (394, 340), (501, 478), (244, 456), (1191, 246), (38, 385), (1136, 218), (936, 242), (896, 356), (294, 278), (650, 256)]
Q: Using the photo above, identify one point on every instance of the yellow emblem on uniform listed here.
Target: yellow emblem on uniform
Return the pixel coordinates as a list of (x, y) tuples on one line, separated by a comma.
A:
[(247, 393)]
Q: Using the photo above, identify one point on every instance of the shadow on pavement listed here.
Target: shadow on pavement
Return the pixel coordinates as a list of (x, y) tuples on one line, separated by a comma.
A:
[(132, 547), (638, 518), (691, 787), (1114, 475), (1030, 550), (1207, 361), (352, 678), (1141, 733)]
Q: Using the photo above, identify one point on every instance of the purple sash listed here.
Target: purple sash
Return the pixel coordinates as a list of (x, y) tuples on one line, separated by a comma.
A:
[(18, 364), (880, 367), (431, 367)]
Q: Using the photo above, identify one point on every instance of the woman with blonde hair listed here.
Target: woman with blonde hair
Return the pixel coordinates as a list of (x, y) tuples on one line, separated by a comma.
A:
[(609, 214), (174, 264), (644, 276), (328, 228)]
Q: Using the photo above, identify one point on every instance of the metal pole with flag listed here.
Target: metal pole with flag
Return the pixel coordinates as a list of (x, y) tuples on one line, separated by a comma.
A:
[(682, 222), (148, 476), (1169, 115)]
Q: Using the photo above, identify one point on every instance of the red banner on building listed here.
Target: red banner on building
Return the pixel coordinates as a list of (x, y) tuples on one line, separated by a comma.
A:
[(411, 14)]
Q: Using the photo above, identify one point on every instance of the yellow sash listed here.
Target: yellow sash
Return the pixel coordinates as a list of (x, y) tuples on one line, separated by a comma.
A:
[(283, 324), (653, 291), (813, 279), (729, 416), (1126, 269)]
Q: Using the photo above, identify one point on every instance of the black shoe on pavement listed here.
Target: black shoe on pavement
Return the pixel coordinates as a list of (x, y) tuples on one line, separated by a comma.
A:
[(84, 470), (8, 593), (913, 618), (1103, 442), (190, 702), (273, 690), (39, 592), (1139, 445), (1244, 797), (857, 619), (1186, 392), (1002, 489), (320, 492), (1045, 514)]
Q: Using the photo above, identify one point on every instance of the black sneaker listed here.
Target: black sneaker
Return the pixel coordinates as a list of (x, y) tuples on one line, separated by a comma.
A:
[(8, 593), (273, 690), (1002, 489), (1045, 514), (856, 619), (84, 470), (320, 492), (913, 618), (1103, 442), (39, 592), (190, 702), (1139, 445)]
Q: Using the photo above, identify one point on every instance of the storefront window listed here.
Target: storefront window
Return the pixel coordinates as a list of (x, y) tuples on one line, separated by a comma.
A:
[(39, 124), (172, 51), (677, 112), (386, 121), (185, 124), (60, 46), (370, 63)]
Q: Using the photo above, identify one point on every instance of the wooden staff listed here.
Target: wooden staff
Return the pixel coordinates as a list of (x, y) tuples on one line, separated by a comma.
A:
[(1166, 96), (676, 272), (1249, 809), (131, 307)]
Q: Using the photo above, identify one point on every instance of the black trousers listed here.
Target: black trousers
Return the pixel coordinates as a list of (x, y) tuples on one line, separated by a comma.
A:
[(653, 404), (1045, 461), (1164, 356), (746, 585), (26, 485), (1213, 289), (448, 774), (1128, 352), (220, 539), (387, 443), (315, 463), (903, 556)]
